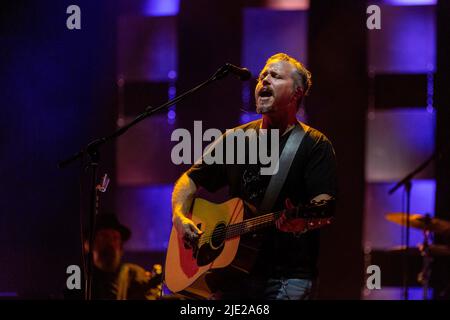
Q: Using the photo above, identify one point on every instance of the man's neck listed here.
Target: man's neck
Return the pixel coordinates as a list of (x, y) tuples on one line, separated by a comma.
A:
[(281, 123)]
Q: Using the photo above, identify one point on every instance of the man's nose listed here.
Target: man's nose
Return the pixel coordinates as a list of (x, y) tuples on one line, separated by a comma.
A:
[(265, 80)]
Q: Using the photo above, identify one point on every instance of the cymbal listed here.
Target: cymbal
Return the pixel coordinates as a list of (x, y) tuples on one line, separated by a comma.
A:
[(419, 221), (434, 250)]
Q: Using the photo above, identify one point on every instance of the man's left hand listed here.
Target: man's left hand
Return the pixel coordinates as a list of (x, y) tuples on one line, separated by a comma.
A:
[(286, 224)]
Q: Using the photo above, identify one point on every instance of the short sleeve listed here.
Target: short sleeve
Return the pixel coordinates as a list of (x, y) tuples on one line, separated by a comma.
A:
[(211, 176), (320, 171)]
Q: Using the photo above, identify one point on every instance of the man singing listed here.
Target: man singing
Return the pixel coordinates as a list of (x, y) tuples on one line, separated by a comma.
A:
[(285, 267)]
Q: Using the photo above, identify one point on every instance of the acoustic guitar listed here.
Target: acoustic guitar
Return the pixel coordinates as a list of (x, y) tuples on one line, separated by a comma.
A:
[(223, 225)]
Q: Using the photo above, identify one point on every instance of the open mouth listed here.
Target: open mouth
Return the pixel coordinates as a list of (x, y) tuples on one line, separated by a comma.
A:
[(265, 93)]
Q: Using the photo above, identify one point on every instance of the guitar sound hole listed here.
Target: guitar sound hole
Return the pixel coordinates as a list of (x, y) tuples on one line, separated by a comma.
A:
[(218, 236)]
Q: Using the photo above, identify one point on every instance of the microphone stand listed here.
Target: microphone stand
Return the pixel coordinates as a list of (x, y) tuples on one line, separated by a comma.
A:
[(407, 182), (92, 151)]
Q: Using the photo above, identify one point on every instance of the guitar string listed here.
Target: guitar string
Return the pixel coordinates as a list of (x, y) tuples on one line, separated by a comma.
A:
[(239, 228), (236, 229), (230, 232)]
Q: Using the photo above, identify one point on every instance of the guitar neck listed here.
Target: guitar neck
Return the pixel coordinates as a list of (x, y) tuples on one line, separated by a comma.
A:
[(251, 225), (316, 210)]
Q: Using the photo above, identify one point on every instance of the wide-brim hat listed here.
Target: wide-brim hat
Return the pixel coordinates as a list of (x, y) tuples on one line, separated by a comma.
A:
[(110, 221)]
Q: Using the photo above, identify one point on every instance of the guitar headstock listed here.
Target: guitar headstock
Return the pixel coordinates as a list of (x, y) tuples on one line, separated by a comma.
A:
[(322, 209)]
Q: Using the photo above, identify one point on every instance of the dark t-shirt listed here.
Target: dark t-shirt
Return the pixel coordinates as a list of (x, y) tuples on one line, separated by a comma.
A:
[(312, 172)]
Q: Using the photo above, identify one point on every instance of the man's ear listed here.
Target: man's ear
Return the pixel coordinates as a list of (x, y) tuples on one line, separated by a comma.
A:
[(298, 93)]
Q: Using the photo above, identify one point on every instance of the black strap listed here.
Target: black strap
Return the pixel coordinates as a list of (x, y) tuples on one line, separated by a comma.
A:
[(277, 180)]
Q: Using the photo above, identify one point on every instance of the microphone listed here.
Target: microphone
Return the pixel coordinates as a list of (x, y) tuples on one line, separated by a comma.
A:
[(243, 73)]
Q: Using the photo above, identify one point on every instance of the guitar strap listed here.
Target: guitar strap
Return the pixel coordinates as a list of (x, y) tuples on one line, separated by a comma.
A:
[(287, 156)]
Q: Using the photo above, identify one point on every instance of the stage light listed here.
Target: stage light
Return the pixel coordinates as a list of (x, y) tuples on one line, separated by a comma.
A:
[(161, 7), (411, 2), (288, 4)]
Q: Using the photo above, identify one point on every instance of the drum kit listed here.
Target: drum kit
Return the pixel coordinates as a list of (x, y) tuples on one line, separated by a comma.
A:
[(426, 250)]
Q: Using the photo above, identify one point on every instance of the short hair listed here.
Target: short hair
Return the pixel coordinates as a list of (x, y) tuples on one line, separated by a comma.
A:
[(303, 78)]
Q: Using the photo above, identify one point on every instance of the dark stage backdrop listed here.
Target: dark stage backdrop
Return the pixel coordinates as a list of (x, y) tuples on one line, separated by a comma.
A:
[(442, 165), (57, 92), (337, 106)]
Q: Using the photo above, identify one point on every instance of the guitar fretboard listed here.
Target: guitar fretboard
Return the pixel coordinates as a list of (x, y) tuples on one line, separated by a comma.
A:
[(266, 220), (251, 225)]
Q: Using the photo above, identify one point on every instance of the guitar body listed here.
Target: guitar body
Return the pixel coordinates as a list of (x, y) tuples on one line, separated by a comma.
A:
[(186, 268), (229, 239)]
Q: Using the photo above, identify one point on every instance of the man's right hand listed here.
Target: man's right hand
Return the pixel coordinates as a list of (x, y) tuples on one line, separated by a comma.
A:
[(187, 230)]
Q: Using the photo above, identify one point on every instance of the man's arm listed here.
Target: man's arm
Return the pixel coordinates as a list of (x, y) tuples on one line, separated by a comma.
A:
[(300, 224), (321, 184), (182, 197)]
